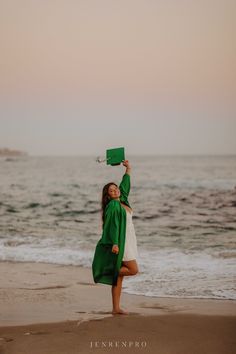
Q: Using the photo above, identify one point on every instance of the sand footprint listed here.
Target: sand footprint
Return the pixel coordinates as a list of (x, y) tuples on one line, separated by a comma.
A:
[(6, 339), (91, 316), (35, 333)]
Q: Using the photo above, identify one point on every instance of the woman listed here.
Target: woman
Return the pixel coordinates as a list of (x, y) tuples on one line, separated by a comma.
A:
[(116, 251)]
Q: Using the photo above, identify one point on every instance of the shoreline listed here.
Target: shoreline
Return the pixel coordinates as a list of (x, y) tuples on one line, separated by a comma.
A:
[(88, 270), (45, 292), (123, 291), (57, 309)]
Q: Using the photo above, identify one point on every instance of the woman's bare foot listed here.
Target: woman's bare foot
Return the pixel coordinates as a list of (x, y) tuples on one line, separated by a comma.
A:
[(120, 312)]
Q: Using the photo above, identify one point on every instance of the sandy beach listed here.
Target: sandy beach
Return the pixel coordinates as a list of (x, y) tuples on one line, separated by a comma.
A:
[(48, 308)]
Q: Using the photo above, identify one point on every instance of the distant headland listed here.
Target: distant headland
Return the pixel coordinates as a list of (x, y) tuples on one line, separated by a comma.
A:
[(11, 152)]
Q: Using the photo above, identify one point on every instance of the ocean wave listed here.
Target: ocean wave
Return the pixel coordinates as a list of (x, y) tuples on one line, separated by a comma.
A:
[(162, 273), (76, 212)]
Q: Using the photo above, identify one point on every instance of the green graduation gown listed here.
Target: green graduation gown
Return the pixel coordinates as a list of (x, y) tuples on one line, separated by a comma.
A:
[(106, 264)]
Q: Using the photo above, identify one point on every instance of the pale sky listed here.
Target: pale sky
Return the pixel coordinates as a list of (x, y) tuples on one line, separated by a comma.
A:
[(155, 76)]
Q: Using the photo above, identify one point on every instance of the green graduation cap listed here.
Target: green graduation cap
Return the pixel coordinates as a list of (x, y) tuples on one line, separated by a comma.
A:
[(115, 156)]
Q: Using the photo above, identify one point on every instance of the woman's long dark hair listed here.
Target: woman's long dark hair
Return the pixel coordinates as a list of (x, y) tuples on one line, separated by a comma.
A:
[(105, 199)]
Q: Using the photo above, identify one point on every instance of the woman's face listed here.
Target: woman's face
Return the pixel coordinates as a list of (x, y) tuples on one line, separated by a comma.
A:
[(113, 191)]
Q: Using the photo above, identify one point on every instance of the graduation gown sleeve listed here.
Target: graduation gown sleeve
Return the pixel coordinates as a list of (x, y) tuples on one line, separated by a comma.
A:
[(125, 189), (111, 227)]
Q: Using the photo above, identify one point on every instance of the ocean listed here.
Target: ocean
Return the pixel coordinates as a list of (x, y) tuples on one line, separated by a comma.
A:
[(184, 213)]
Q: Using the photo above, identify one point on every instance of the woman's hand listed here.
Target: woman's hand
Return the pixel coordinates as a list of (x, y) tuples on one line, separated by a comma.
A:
[(126, 163), (115, 249)]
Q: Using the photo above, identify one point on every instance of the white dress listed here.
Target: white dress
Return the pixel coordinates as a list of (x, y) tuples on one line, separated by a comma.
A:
[(130, 251)]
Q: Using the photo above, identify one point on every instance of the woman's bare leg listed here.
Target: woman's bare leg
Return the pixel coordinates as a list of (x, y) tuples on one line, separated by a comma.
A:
[(116, 292), (127, 268), (124, 271)]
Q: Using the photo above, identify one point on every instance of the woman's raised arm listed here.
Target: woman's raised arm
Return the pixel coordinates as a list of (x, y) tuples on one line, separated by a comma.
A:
[(127, 165), (125, 183)]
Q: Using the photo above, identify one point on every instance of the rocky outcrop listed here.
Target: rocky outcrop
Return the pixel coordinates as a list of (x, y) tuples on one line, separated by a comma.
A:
[(10, 152)]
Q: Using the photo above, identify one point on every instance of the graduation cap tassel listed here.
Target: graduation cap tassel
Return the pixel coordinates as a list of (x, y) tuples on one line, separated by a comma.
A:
[(99, 159)]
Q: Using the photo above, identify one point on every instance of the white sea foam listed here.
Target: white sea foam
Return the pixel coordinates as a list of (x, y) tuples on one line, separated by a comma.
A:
[(66, 256), (172, 273), (162, 273)]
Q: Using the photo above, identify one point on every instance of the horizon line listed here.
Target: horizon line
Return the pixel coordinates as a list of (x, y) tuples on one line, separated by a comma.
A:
[(137, 155)]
